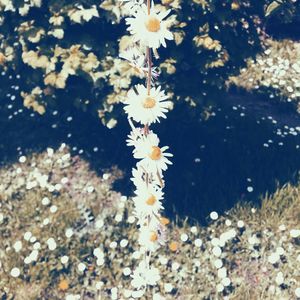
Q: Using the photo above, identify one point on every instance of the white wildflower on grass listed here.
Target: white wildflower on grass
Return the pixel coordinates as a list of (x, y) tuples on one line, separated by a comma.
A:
[(81, 267), (126, 271), (15, 272), (150, 30), (17, 246), (273, 258), (294, 233), (144, 107), (198, 242), (184, 237), (64, 259), (51, 244)]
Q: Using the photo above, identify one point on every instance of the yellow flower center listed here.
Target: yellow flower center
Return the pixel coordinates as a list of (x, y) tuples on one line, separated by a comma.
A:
[(151, 200), (152, 24), (153, 237), (149, 102), (155, 153)]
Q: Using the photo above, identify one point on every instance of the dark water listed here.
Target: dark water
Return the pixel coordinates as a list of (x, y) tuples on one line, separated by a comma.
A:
[(234, 155)]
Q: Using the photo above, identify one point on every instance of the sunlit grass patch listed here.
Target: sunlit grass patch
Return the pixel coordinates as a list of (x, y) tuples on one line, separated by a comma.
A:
[(75, 243)]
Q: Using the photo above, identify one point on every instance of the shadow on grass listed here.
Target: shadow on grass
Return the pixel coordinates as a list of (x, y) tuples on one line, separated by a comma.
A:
[(216, 162)]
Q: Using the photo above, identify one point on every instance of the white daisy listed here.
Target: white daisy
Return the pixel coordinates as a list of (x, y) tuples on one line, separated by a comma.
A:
[(150, 30), (153, 158), (138, 61), (144, 275), (147, 201), (145, 108), (155, 222), (162, 233), (138, 177), (135, 58), (136, 133), (133, 136), (149, 238)]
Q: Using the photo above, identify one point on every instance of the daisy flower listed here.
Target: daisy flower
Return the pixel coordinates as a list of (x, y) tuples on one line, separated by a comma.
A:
[(153, 158), (149, 238), (135, 58), (147, 201), (162, 234), (160, 228), (137, 61), (145, 108), (136, 133), (150, 30), (144, 275), (133, 136), (140, 176)]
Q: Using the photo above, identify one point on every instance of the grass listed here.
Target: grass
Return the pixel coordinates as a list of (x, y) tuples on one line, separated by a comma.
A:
[(246, 253)]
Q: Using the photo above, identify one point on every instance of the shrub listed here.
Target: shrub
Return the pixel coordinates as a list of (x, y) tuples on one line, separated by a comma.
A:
[(67, 51)]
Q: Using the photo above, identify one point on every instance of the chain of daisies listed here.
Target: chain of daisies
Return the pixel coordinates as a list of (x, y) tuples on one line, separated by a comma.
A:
[(146, 104)]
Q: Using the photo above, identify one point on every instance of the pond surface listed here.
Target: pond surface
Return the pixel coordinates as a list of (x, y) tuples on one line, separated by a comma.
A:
[(238, 154)]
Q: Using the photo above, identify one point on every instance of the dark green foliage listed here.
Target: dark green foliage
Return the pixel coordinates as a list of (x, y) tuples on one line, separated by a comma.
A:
[(73, 59)]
